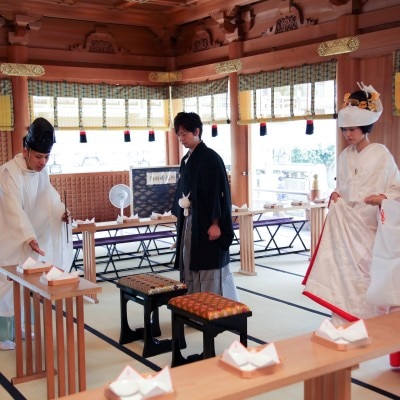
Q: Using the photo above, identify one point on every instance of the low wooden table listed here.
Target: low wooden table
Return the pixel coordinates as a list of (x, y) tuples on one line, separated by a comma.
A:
[(246, 233), (321, 368), (68, 345), (88, 241)]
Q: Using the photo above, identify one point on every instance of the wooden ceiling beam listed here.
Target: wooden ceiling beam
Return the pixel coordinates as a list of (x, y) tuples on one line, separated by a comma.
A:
[(81, 12), (123, 4), (171, 13), (203, 9)]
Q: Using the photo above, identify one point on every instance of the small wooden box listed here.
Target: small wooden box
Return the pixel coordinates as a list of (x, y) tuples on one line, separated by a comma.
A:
[(58, 282), (125, 221), (110, 395), (89, 224), (36, 270)]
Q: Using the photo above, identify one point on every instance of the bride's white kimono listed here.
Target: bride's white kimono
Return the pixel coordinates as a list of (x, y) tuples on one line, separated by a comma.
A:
[(30, 208), (339, 273), (384, 289)]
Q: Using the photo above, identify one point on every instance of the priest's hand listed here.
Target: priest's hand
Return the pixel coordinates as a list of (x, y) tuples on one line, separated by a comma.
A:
[(66, 217), (35, 247)]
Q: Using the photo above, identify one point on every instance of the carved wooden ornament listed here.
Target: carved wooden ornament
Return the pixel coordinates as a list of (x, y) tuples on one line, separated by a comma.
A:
[(21, 69), (338, 46)]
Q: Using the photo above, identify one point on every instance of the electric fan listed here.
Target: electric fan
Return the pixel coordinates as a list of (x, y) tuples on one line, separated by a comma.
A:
[(120, 196)]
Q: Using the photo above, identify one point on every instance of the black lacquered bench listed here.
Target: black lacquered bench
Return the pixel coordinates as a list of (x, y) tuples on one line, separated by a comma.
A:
[(151, 291), (209, 313)]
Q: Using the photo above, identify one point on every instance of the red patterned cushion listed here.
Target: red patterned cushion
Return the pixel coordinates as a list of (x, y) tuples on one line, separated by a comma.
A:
[(151, 283), (209, 305)]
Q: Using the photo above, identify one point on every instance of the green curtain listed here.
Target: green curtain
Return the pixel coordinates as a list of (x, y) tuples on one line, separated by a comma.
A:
[(307, 73), (209, 99), (264, 87), (90, 105)]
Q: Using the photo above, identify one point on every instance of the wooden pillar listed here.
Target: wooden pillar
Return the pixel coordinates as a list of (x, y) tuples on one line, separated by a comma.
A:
[(173, 149), (172, 146), (19, 54), (240, 143), (347, 70)]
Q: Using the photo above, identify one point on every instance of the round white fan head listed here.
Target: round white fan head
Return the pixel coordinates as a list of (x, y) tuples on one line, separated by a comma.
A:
[(120, 196)]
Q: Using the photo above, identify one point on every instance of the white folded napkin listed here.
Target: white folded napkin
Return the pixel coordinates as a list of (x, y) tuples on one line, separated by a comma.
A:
[(56, 274), (249, 360), (133, 385), (340, 335)]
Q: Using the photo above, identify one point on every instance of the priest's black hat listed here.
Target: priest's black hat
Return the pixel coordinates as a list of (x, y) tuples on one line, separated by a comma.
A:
[(40, 136)]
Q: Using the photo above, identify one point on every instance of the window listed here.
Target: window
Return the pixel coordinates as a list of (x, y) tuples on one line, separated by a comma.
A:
[(285, 160), (293, 93), (102, 113), (105, 150), (220, 143)]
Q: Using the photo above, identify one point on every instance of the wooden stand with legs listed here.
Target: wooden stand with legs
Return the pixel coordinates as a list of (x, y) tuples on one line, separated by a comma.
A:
[(59, 357)]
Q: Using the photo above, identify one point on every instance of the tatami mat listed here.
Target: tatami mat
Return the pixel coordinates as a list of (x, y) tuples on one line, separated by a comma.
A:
[(279, 311)]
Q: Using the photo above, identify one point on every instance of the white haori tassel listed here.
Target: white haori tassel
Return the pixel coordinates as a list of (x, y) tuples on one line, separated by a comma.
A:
[(184, 203)]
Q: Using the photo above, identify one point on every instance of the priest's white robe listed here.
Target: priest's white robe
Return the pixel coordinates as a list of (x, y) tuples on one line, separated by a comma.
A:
[(30, 208), (339, 273)]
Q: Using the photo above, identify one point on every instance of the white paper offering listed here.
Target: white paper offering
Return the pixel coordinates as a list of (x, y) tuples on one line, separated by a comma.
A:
[(249, 360), (155, 215), (87, 221), (31, 266), (56, 274), (340, 335), (30, 263), (130, 385), (124, 218)]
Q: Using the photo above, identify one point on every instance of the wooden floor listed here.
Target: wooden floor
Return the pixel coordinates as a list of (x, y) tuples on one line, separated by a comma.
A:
[(279, 311)]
